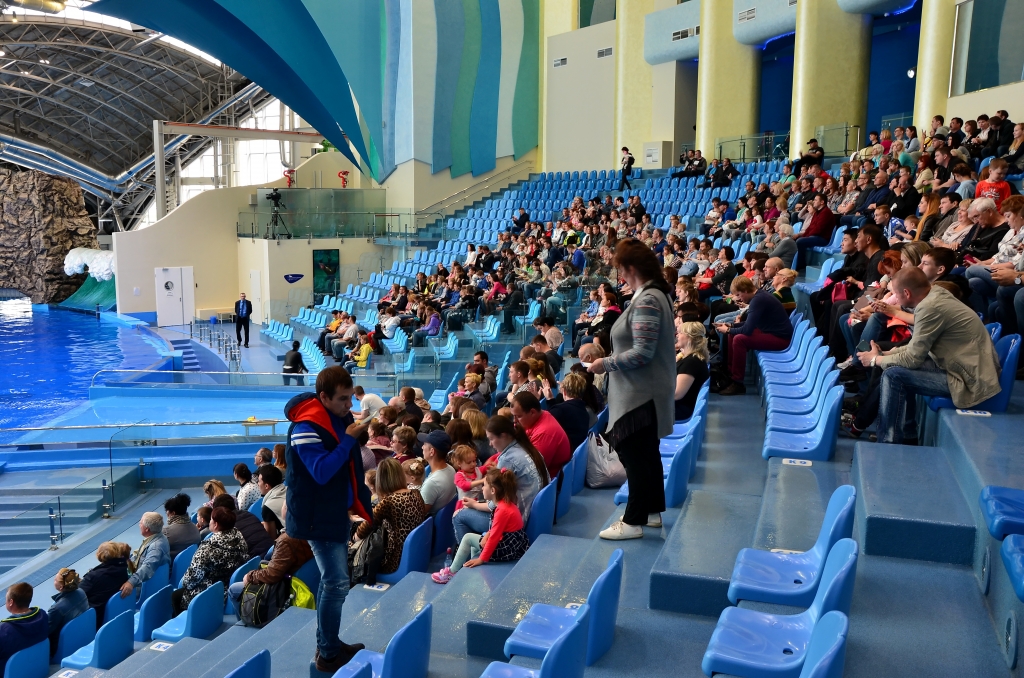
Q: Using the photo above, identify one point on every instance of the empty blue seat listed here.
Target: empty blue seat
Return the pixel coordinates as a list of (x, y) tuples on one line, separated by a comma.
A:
[(543, 624), (542, 513), (113, 644), (154, 613), (826, 653), (751, 643), (77, 633), (32, 662), (1012, 552), (818, 444), (1003, 509), (415, 554), (406, 656), (200, 620), (257, 666), (793, 578), (566, 658)]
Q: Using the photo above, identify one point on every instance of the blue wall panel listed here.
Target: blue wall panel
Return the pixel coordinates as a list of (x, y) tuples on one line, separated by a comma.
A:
[(450, 36), (890, 91), (483, 124), (777, 85)]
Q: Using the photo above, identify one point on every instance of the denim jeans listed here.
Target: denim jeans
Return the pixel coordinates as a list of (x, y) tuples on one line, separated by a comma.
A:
[(470, 520), (332, 559), (983, 289), (804, 244), (234, 594), (689, 268), (1010, 299), (899, 386), (869, 330), (469, 547), (728, 317)]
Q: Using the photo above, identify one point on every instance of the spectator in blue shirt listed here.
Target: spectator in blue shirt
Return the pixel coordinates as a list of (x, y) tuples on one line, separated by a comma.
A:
[(26, 626)]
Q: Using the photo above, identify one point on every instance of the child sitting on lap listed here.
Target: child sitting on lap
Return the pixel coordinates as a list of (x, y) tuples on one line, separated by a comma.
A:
[(505, 539), (414, 473), (469, 479)]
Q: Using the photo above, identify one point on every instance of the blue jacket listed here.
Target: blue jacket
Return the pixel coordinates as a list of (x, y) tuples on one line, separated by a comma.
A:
[(66, 606), (324, 478), (157, 553), (878, 196), (21, 631)]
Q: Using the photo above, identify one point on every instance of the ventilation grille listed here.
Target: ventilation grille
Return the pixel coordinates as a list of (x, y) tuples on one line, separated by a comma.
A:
[(747, 15), (685, 33), (792, 3), (561, 62), (602, 53)]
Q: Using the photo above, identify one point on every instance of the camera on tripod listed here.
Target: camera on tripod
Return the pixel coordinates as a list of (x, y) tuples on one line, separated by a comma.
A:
[(276, 224), (275, 197)]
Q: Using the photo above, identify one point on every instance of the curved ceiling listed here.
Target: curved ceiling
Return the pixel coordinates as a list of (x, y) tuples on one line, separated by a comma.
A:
[(90, 92)]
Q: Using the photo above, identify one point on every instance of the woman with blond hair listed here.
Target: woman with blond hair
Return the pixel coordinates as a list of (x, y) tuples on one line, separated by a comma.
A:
[(213, 489), (400, 509), (477, 421), (69, 602), (107, 578), (783, 283), (691, 367)]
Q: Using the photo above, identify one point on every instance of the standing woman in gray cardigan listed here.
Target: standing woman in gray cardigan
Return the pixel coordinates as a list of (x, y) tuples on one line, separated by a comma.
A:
[(641, 381)]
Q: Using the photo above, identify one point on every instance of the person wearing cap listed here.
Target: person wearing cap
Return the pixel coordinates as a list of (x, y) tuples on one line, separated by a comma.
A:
[(814, 155), (439, 486)]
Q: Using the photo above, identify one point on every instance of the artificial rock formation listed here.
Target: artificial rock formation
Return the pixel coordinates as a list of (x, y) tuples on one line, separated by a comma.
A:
[(42, 218)]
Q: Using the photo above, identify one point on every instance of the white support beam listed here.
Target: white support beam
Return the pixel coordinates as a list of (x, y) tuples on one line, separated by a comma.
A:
[(160, 192), (237, 132)]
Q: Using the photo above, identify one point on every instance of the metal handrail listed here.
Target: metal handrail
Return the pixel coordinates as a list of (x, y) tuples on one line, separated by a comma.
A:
[(440, 205), (234, 375), (141, 423)]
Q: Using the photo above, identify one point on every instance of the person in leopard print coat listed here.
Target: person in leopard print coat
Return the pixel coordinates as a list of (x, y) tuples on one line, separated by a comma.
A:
[(215, 560)]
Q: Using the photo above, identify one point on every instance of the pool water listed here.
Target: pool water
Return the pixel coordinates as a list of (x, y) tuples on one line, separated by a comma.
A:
[(48, 359)]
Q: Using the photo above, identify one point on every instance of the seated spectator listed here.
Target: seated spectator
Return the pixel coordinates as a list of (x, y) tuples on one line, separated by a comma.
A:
[(369, 403), (439, 487), (359, 357), (992, 227), (431, 328), (995, 187), (716, 279), (271, 484), (151, 554), (477, 421), (569, 409), (473, 382), (256, 538), (247, 494), (949, 342), (69, 602), (400, 509), (544, 432), (546, 326), (203, 521), (279, 460), (1008, 256), (691, 367), (214, 488), (108, 577), (540, 345), (26, 626), (403, 445), (215, 560), (782, 284), (766, 328), (179, 530), (289, 555), (817, 229)]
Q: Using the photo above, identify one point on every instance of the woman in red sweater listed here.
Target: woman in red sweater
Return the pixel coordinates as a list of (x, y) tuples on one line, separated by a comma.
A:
[(505, 539)]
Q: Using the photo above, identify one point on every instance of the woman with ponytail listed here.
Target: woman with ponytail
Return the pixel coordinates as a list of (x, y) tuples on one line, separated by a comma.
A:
[(505, 539), (69, 602), (517, 454)]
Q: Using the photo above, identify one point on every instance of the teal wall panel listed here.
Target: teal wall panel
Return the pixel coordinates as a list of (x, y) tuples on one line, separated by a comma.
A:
[(462, 112), (450, 37), (483, 126), (525, 111)]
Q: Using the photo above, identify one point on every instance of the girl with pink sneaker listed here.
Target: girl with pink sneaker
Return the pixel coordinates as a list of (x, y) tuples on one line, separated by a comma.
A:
[(505, 539)]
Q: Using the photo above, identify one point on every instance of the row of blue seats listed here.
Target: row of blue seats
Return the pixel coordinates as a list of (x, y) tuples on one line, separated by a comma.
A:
[(330, 303), (749, 642), (278, 331), (691, 183), (592, 175), (312, 356)]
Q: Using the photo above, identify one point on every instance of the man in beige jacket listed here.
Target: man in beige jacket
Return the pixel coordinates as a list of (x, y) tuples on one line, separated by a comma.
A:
[(950, 355)]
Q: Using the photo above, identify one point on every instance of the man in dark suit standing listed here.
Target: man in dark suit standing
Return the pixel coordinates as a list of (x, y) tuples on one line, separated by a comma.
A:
[(243, 311)]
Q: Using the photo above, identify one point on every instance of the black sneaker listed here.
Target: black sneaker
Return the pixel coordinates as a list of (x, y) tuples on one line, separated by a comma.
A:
[(853, 374), (735, 388)]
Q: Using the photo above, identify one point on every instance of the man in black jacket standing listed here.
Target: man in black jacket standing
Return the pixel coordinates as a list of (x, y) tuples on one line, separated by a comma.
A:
[(243, 311), (627, 169)]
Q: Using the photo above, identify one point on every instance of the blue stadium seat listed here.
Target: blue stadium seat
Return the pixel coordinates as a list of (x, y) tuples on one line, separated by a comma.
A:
[(415, 554), (566, 658), (1003, 510), (32, 662), (202, 618), (406, 656), (113, 644), (542, 512), (544, 624), (237, 576), (160, 579), (444, 535), (792, 578), (153, 614), (257, 666), (1008, 350), (76, 634), (818, 444), (751, 643), (1012, 553), (117, 605)]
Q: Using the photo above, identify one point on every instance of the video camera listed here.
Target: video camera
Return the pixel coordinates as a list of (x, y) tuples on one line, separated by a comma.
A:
[(275, 197)]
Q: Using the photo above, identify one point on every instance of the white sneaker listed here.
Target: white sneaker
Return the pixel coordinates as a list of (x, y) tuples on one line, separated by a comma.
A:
[(620, 530), (846, 363), (653, 520)]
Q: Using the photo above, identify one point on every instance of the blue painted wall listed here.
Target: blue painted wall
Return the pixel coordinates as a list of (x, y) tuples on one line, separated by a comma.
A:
[(893, 51), (777, 85)]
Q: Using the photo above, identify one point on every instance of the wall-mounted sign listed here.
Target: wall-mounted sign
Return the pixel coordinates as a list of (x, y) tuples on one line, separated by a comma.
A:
[(293, 277)]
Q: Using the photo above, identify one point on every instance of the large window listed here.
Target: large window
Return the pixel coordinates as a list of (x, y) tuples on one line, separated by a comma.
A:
[(988, 50), (593, 12)]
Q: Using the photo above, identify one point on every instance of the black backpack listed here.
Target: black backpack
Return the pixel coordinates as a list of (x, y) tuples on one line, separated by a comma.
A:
[(260, 604)]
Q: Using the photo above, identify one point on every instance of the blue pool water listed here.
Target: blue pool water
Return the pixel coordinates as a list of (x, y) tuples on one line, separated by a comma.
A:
[(48, 359)]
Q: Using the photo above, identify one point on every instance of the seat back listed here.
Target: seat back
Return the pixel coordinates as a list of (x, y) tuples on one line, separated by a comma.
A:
[(77, 633), (257, 508), (238, 575), (826, 652), (1008, 351), (838, 522), (116, 605), (564, 497), (580, 458), (542, 513), (181, 563), (115, 641), (408, 653), (444, 536), (603, 600), (415, 553), (836, 588), (257, 666), (309, 574), (155, 612), (567, 656), (679, 473), (160, 579), (32, 662), (206, 612)]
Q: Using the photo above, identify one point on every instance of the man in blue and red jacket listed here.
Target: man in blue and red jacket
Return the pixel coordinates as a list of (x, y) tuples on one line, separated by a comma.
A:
[(25, 627), (325, 482)]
